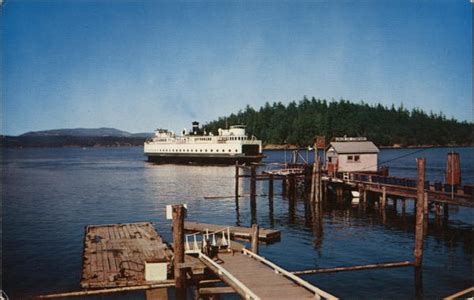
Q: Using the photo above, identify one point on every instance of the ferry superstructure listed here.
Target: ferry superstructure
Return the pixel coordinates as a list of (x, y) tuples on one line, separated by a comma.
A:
[(229, 146)]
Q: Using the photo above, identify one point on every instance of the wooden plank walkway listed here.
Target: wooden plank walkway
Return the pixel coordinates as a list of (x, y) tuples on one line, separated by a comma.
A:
[(245, 273), (238, 232), (115, 254), (375, 183)]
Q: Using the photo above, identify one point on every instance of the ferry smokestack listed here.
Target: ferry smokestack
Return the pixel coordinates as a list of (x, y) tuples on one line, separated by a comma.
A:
[(195, 127)]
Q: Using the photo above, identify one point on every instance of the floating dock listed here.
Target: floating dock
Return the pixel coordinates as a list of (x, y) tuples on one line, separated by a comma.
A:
[(115, 254), (237, 232)]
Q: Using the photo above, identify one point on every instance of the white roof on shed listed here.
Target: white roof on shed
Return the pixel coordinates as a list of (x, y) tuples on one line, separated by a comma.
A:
[(354, 147)]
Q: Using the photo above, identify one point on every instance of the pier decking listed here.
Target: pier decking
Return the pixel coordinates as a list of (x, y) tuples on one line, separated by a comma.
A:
[(254, 277), (115, 254), (406, 187), (238, 232)]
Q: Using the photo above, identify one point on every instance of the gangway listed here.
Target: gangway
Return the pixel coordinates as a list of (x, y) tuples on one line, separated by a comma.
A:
[(249, 274)]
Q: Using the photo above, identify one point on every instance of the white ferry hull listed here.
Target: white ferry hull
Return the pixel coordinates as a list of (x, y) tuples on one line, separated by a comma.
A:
[(202, 159)]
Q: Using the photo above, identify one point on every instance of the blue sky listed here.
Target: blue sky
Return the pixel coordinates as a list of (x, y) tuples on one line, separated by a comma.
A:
[(139, 65)]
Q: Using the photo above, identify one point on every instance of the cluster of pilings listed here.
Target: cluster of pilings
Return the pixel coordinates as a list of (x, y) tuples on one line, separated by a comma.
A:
[(316, 189)]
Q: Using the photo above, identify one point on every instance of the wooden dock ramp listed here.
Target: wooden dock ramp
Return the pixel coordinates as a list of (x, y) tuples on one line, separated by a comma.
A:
[(254, 277), (237, 232), (250, 275)]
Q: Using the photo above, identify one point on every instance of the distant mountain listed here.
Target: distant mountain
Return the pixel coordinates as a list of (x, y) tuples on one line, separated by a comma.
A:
[(79, 132), (83, 132), (143, 134), (76, 137)]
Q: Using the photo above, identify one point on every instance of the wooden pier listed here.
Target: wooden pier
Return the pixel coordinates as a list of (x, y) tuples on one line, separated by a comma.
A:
[(244, 271), (254, 277), (237, 232), (115, 254), (404, 188)]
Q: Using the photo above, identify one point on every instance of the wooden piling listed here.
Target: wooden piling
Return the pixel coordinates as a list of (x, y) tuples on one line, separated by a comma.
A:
[(253, 181), (270, 186), (236, 181), (437, 210), (253, 194), (339, 193), (418, 283), (178, 250), (453, 169), (270, 198), (316, 179), (446, 211), (254, 243), (420, 197), (292, 179), (362, 200), (383, 199)]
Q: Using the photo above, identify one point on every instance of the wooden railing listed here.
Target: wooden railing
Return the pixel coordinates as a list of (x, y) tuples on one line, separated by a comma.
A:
[(318, 292), (199, 240), (221, 271)]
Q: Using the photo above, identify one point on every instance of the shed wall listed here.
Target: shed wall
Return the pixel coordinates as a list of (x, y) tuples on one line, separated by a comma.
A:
[(367, 162)]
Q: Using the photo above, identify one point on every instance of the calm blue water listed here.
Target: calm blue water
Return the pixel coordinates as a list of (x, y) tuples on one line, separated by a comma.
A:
[(49, 195)]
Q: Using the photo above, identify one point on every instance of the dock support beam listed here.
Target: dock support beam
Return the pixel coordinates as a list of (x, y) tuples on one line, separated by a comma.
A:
[(270, 187), (446, 211), (270, 198), (254, 243), (253, 181), (253, 194), (178, 249), (383, 199), (420, 200), (236, 181), (292, 179), (316, 178)]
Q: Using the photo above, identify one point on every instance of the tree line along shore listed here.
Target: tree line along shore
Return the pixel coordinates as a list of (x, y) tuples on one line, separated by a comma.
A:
[(297, 123)]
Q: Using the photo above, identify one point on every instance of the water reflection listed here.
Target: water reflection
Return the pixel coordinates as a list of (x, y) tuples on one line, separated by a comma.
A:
[(48, 203)]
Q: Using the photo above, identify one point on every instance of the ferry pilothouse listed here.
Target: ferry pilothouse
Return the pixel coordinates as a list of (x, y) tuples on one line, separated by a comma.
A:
[(229, 146)]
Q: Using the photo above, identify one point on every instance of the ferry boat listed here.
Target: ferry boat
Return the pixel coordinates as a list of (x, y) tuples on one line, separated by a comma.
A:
[(229, 146)]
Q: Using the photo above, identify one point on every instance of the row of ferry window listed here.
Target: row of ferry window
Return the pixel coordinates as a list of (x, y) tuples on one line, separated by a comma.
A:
[(238, 138), (191, 150)]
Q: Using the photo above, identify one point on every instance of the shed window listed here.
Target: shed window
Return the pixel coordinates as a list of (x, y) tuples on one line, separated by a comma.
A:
[(330, 159), (356, 157), (350, 158)]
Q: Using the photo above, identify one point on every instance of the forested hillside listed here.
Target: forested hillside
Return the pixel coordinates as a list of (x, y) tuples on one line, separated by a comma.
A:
[(299, 122)]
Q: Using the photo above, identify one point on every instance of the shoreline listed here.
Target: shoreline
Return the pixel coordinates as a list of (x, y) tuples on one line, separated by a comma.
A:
[(273, 147), (268, 147)]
